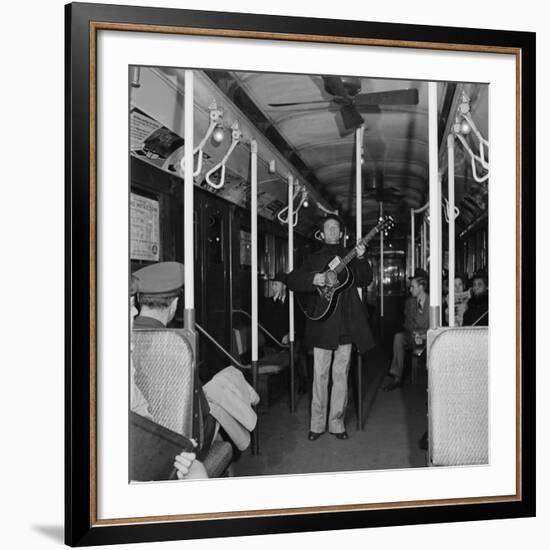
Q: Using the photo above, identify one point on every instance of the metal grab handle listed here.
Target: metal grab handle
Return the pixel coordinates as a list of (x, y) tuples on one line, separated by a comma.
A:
[(212, 340), (303, 198), (235, 139), (263, 329), (201, 145)]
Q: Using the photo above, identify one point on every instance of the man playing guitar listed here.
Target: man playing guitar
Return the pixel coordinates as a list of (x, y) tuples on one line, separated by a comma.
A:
[(331, 335)]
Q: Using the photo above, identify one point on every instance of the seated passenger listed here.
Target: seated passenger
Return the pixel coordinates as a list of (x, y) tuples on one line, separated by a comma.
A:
[(160, 286), (477, 309), (275, 318), (461, 297), (186, 465), (416, 324)]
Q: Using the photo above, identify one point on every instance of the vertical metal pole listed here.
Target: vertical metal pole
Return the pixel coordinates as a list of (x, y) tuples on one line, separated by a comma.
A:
[(451, 214), (424, 239), (412, 267), (435, 210), (381, 264), (254, 275), (290, 227), (359, 132), (189, 278), (358, 186)]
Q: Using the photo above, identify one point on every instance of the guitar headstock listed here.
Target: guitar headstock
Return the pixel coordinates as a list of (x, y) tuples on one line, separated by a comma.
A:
[(385, 224)]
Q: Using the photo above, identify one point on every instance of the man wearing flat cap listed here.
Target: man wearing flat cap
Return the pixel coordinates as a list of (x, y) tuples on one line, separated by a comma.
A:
[(416, 323), (185, 464), (160, 286)]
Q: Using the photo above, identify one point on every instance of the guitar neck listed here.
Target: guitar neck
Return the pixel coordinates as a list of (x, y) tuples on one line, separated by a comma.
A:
[(353, 252)]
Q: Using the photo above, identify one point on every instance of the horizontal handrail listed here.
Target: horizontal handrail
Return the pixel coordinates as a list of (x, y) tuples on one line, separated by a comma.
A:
[(212, 340), (264, 330)]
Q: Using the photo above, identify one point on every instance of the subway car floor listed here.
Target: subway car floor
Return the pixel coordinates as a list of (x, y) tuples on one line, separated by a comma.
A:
[(393, 423)]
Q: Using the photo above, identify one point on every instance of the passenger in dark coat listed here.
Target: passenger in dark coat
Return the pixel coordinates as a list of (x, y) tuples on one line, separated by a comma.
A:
[(274, 316), (348, 324), (477, 309), (350, 314), (160, 286), (416, 322)]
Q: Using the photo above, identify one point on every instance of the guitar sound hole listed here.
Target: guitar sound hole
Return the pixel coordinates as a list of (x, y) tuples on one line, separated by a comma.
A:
[(331, 278)]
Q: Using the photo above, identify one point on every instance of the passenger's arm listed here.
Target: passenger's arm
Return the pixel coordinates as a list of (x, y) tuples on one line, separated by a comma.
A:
[(301, 279), (189, 468), (408, 321)]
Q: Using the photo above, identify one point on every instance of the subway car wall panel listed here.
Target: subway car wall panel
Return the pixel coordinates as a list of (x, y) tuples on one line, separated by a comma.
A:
[(222, 260)]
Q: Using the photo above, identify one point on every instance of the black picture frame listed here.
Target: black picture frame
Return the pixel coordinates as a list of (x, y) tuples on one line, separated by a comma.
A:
[(81, 22)]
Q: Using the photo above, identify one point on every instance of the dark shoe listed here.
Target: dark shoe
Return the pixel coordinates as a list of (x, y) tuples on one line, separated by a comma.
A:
[(313, 436), (392, 385), (340, 435)]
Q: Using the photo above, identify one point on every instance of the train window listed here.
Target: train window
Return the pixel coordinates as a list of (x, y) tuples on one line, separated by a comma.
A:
[(281, 260), (393, 276), (245, 249), (471, 265), (263, 267), (214, 239), (145, 228), (269, 257), (484, 258)]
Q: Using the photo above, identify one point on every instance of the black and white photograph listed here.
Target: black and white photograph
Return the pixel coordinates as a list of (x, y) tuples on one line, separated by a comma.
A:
[(309, 279), (273, 275), (300, 274)]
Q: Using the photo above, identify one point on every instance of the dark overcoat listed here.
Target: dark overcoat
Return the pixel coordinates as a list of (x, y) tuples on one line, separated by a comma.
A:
[(477, 310), (350, 311)]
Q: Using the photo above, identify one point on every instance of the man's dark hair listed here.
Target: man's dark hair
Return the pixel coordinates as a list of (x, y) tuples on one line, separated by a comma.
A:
[(422, 281), (481, 275), (155, 302), (462, 277), (331, 217)]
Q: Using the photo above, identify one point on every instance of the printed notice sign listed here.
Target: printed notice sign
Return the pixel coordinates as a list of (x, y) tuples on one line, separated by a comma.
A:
[(144, 228), (141, 128)]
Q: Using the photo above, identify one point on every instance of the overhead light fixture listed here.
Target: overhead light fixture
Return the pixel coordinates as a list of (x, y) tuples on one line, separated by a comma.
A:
[(218, 135)]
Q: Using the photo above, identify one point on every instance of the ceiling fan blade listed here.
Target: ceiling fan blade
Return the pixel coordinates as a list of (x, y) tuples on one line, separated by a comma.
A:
[(391, 97), (315, 102), (335, 86), (368, 109), (351, 117)]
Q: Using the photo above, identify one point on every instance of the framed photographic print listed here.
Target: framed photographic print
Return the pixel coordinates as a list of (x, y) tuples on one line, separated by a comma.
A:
[(300, 274)]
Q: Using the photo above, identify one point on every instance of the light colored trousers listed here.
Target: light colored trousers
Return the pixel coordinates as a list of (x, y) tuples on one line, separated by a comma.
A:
[(322, 359), (402, 341)]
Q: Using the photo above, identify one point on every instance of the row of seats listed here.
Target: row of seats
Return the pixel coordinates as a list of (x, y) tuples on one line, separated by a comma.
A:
[(457, 363), (165, 371)]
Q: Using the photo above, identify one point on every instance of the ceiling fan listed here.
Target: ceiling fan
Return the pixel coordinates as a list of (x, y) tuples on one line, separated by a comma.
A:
[(348, 99), (379, 192)]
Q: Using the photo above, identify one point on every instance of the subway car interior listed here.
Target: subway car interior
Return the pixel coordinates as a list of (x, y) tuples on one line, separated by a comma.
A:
[(234, 174)]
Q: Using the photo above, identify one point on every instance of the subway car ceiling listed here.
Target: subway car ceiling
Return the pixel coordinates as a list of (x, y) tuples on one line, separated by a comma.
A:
[(304, 126)]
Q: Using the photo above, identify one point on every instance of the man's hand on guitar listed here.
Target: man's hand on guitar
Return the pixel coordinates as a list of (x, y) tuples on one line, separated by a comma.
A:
[(319, 279), (361, 248)]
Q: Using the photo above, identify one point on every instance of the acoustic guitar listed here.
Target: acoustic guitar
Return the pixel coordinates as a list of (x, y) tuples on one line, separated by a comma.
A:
[(320, 305)]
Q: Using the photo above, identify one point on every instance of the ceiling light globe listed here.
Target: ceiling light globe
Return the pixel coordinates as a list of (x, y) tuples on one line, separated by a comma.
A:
[(465, 128), (218, 135)]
